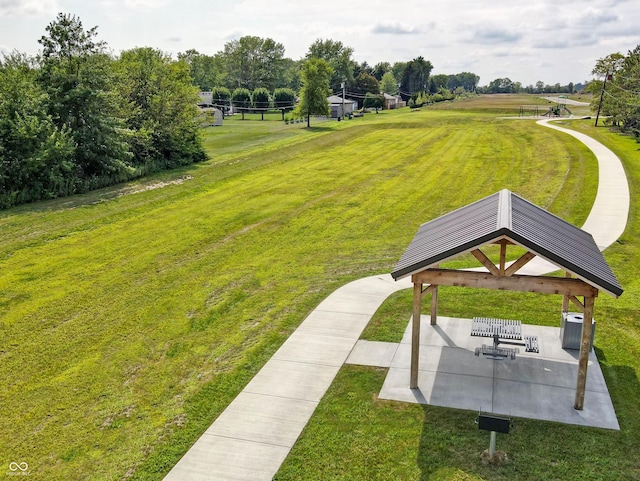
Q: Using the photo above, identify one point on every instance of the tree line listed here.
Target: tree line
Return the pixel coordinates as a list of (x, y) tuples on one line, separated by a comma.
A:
[(616, 92), (75, 118), (252, 65), (507, 86)]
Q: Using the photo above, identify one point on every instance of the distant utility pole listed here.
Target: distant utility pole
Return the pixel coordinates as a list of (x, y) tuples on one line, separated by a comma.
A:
[(604, 85), (343, 88)]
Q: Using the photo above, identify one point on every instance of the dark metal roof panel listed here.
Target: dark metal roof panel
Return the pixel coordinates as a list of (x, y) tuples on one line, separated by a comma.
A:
[(450, 235), (562, 243), (506, 214)]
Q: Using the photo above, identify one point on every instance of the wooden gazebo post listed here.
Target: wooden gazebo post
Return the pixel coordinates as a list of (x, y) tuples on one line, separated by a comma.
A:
[(418, 294), (415, 333), (585, 347)]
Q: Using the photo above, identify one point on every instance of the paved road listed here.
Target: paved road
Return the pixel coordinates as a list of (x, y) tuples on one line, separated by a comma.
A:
[(567, 101)]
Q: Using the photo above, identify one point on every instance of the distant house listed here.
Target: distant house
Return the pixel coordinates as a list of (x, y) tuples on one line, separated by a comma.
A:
[(393, 102), (205, 99), (337, 106)]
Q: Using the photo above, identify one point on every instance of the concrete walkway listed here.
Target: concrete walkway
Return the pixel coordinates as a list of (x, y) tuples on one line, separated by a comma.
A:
[(253, 436)]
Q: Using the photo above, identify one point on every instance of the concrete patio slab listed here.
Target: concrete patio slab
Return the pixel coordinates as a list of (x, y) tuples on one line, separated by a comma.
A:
[(531, 386)]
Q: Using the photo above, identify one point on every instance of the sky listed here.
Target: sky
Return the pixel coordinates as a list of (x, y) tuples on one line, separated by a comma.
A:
[(527, 41)]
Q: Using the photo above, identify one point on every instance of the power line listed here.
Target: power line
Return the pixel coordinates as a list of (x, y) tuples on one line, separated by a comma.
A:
[(622, 102), (623, 89)]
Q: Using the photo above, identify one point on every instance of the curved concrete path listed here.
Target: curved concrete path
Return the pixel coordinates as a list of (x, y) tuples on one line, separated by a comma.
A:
[(608, 217), (253, 436)]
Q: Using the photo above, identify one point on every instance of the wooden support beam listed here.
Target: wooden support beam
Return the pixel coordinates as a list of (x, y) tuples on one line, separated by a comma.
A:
[(415, 334), (485, 261), (539, 284), (427, 290), (519, 264), (434, 306), (503, 256), (583, 360), (565, 298), (577, 303)]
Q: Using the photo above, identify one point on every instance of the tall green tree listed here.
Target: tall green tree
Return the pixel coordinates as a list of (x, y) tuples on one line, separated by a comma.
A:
[(159, 104), (415, 77), (620, 97), (365, 83), (466, 80), (284, 98), (436, 82), (339, 58), (206, 70), (221, 97), (241, 98), (388, 84), (261, 100), (253, 62), (373, 101), (77, 75), (398, 70), (315, 77), (380, 69), (291, 74), (36, 157)]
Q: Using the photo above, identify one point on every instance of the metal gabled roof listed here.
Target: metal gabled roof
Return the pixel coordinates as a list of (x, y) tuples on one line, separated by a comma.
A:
[(506, 215)]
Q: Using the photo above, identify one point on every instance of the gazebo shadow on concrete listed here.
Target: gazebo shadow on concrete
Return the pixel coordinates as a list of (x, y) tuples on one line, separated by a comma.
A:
[(443, 361)]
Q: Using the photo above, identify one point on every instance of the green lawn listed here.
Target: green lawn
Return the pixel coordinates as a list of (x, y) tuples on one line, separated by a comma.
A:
[(129, 322), (353, 435)]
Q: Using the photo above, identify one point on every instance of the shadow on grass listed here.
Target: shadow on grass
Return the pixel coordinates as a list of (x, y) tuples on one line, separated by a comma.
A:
[(152, 181), (319, 128), (449, 444), (624, 387)]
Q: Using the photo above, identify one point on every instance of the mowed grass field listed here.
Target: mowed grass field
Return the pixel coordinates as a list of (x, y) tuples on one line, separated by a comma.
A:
[(131, 317)]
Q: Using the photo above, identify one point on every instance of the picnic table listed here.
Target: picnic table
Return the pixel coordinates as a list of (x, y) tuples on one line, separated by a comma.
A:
[(503, 331)]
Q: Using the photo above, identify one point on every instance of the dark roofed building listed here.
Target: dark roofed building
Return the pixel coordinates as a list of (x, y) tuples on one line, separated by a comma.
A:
[(507, 219)]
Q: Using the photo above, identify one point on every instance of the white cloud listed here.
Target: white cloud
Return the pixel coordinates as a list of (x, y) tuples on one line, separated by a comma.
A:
[(496, 36), (593, 17), (394, 28), (14, 8)]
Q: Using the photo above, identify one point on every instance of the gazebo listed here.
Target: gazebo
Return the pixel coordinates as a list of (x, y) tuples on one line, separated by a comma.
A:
[(507, 220)]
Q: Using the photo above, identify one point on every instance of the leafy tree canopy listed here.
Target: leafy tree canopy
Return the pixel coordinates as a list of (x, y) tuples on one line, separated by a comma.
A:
[(415, 77), (389, 84), (366, 83), (339, 58), (253, 62), (315, 77)]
